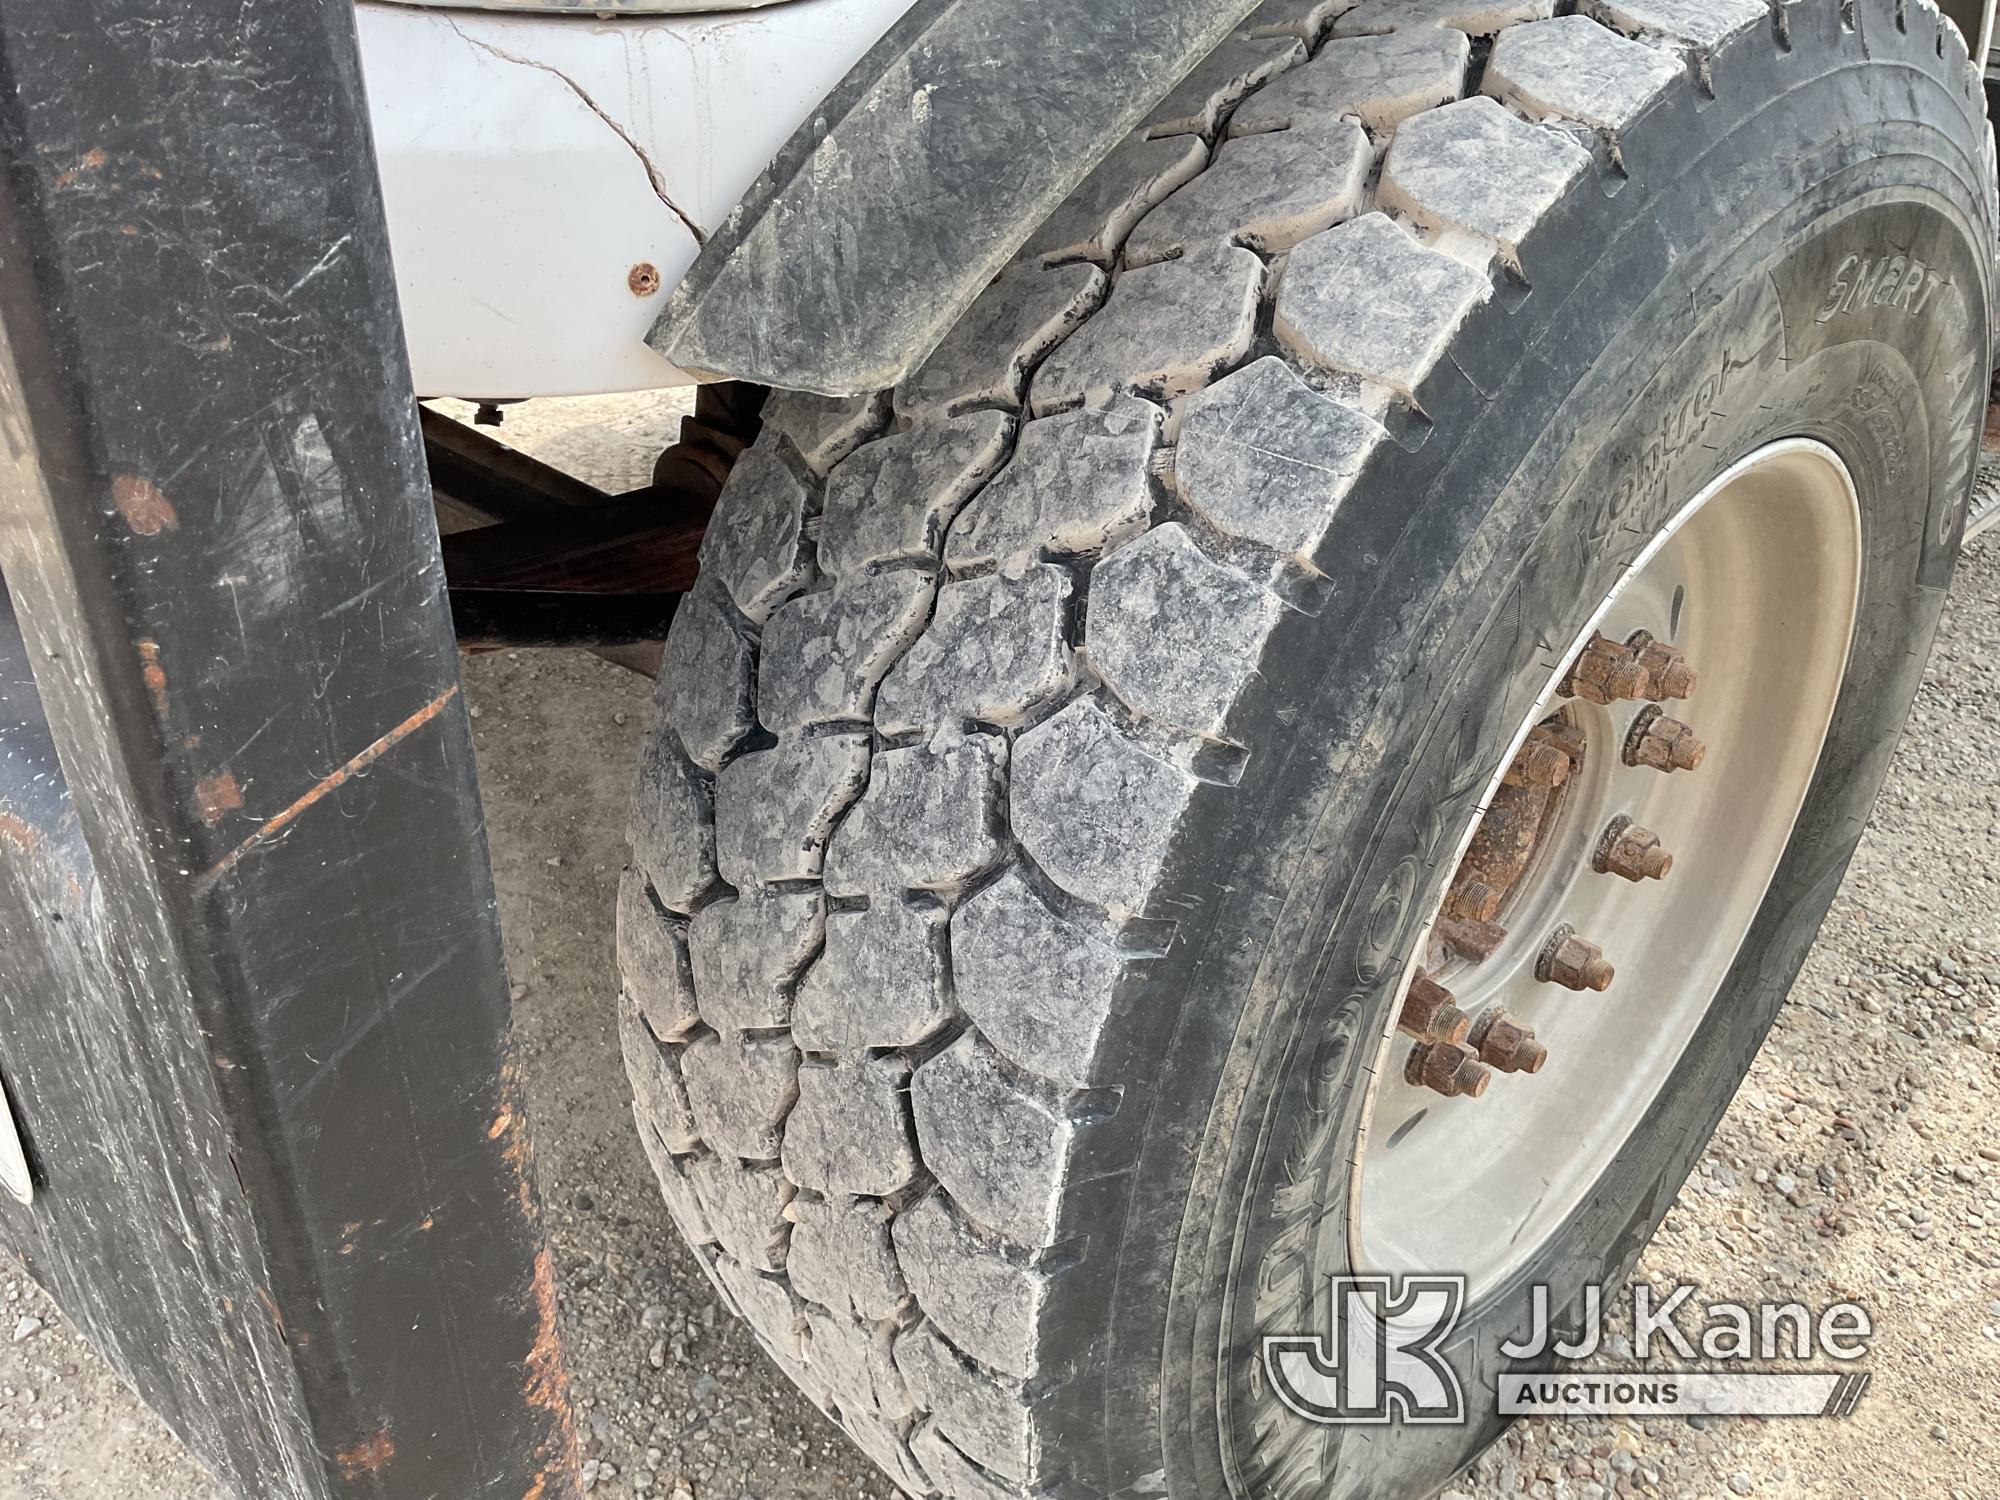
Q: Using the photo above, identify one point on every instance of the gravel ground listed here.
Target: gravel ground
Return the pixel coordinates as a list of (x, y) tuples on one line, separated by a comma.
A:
[(1861, 1159)]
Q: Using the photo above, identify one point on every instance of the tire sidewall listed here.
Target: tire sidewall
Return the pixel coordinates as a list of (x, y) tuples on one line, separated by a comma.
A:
[(1636, 403)]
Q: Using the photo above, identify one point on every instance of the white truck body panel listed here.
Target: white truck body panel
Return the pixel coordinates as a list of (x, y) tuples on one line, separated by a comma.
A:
[(530, 162)]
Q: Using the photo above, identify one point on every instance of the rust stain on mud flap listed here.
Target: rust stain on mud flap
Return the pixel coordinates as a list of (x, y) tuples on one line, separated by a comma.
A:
[(544, 1376)]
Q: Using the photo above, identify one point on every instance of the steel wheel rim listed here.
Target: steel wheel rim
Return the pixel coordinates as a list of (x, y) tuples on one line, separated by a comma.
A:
[(1757, 579)]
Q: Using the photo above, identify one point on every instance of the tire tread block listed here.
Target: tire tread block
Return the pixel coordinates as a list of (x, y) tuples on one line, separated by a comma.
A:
[(1078, 484), (672, 826), (1094, 810), (775, 809), (926, 822), (882, 981), (683, 1205), (995, 653), (1572, 68), (1473, 17), (849, 1134), (1176, 635), (704, 690), (1093, 221), (1264, 192), (840, 1257), (746, 952), (1379, 80), (988, 1302), (740, 1089), (658, 1088), (766, 1303), (891, 501), (985, 358), (1475, 167), (1198, 102), (653, 960), (1040, 989), (1366, 299), (988, 1419), (1699, 25), (825, 653), (744, 1203), (825, 429), (1001, 1146), (756, 542), (1266, 458), (1166, 329)]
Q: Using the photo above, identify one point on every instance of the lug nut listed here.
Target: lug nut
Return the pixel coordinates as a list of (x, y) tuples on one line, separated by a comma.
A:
[(1447, 1069), (1562, 734), (1662, 743), (1668, 674), (1573, 962), (1474, 901), (1631, 851), (1540, 763), (1605, 673), (1430, 1013), (1473, 941), (1505, 1044)]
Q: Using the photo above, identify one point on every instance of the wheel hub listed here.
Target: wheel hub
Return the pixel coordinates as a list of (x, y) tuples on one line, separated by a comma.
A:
[(1622, 855)]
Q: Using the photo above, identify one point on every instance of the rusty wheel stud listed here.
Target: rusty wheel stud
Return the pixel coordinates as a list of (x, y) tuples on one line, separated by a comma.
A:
[(1472, 941), (1573, 962), (1430, 1013), (1662, 743), (1605, 672), (1541, 763), (1668, 674), (1504, 1043), (1631, 851), (1562, 734), (1447, 1069), (1474, 901)]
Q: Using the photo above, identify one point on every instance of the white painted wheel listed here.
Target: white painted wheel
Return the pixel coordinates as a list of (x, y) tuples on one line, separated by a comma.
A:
[(1756, 581)]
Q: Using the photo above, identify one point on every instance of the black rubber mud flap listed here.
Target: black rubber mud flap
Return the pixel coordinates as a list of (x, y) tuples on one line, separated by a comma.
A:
[(886, 213), (253, 1014)]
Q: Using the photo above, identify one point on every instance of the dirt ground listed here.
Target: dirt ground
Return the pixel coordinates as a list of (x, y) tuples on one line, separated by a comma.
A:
[(1861, 1159)]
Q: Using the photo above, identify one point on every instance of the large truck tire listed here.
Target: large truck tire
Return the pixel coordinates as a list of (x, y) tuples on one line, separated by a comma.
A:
[(1069, 760)]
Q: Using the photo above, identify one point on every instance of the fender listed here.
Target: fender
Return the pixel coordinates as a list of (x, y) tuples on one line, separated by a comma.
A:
[(893, 206)]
